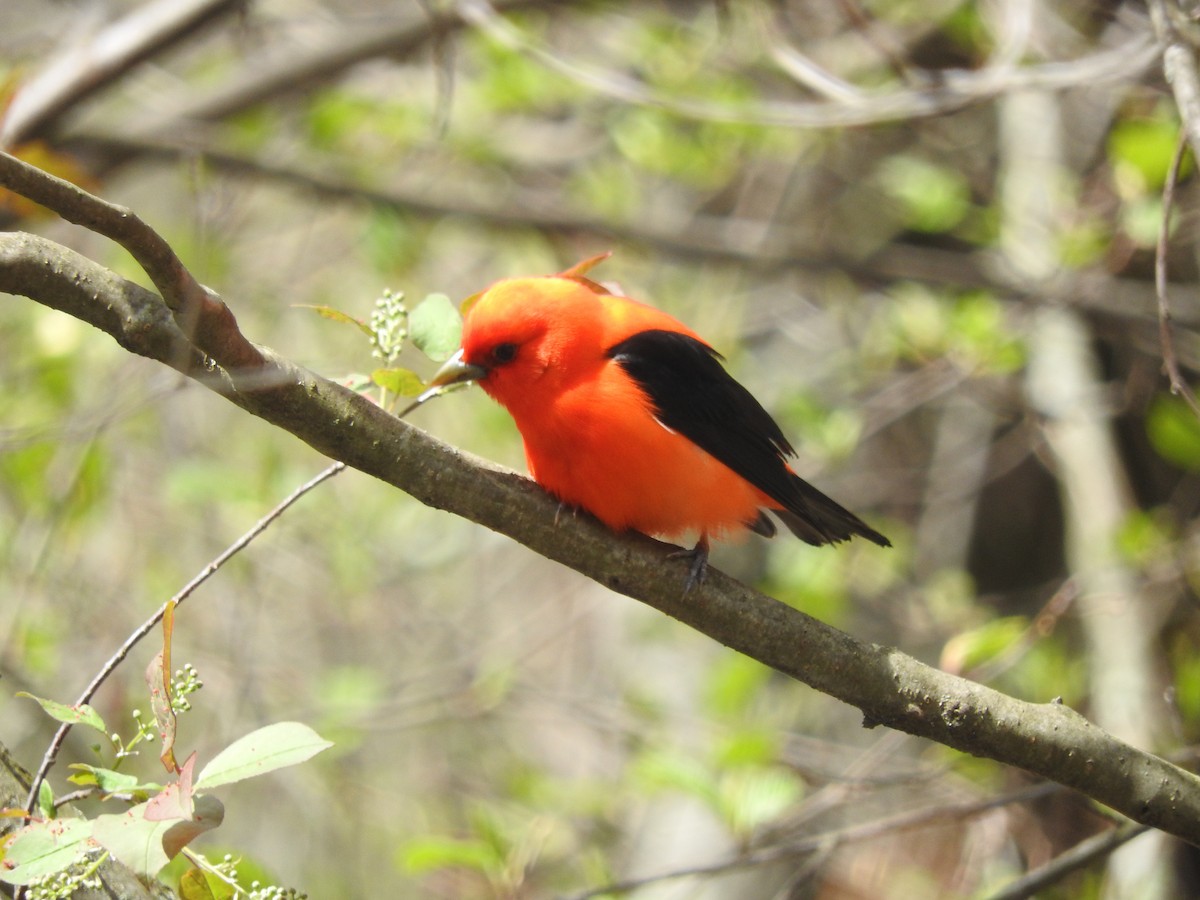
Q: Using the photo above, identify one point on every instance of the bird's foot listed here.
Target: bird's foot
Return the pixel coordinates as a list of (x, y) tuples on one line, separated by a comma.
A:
[(698, 569), (574, 510)]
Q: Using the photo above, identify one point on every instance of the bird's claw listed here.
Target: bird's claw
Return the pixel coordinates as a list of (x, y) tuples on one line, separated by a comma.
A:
[(698, 570)]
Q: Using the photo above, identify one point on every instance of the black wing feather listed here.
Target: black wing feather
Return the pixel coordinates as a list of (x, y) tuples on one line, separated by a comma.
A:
[(694, 395)]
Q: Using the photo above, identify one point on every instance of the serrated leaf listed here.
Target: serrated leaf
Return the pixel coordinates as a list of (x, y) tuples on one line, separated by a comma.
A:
[(270, 748), (403, 382), (336, 315), (72, 715), (44, 848), (435, 327)]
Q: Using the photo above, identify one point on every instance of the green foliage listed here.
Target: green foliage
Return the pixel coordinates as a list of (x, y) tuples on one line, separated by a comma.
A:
[(74, 715), (1145, 537), (932, 198), (55, 854), (976, 647), (831, 433), (733, 682), (511, 81), (349, 696), (434, 327), (971, 328), (1174, 431), (1141, 151), (351, 123)]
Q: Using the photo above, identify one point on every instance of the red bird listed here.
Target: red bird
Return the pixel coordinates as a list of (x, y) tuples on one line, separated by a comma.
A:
[(629, 414)]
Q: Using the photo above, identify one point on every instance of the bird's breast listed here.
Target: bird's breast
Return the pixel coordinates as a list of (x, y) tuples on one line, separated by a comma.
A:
[(597, 444)]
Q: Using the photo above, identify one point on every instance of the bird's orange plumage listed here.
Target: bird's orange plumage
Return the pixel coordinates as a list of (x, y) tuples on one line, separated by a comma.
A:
[(591, 436)]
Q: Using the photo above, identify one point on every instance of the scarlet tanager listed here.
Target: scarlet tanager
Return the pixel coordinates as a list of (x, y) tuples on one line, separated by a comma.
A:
[(629, 414)]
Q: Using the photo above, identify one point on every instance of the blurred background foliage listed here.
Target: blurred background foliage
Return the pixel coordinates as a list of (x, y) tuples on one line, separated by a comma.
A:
[(818, 188)]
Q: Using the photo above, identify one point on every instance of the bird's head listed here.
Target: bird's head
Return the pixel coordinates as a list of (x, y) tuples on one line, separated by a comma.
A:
[(528, 333)]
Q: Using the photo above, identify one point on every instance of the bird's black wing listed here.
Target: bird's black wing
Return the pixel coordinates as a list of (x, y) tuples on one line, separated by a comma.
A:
[(694, 395)]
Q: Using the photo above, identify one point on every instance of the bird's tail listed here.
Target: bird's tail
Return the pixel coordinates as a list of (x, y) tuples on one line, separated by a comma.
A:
[(816, 519)]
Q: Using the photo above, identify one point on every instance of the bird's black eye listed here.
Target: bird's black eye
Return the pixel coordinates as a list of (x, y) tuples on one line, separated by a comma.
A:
[(504, 353)]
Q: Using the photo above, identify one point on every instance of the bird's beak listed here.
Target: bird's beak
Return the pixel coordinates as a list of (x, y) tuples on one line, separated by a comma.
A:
[(455, 371)]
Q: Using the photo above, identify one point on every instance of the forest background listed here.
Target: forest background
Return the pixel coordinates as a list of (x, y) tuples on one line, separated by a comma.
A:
[(951, 246)]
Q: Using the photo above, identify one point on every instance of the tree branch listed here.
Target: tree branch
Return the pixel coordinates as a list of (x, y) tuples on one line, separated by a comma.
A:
[(889, 687), (87, 68)]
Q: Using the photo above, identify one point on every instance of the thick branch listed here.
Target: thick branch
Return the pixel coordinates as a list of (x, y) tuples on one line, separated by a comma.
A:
[(889, 687), (198, 311)]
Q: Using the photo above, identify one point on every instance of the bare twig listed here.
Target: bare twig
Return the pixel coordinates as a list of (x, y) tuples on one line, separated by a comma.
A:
[(829, 840), (146, 627), (1179, 385), (1179, 67), (951, 90), (85, 69), (295, 72), (1082, 854)]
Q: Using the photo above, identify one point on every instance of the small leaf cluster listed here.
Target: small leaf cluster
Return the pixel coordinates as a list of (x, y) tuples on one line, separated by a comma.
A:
[(433, 326)]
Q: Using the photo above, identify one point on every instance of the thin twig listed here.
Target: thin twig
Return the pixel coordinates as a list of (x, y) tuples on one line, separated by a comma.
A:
[(1179, 386), (146, 627), (1082, 854), (830, 839), (952, 90), (84, 69)]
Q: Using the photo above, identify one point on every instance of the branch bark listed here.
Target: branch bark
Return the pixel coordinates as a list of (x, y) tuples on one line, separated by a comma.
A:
[(889, 687)]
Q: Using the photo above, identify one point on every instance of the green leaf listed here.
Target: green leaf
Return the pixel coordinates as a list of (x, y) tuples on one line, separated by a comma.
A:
[(403, 382), (44, 848), (428, 854), (733, 682), (969, 649), (45, 800), (336, 315), (72, 715), (133, 839), (668, 770), (751, 797), (193, 885), (435, 327), (1174, 431), (749, 747), (934, 198), (265, 750), (109, 781), (1144, 149), (146, 845)]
